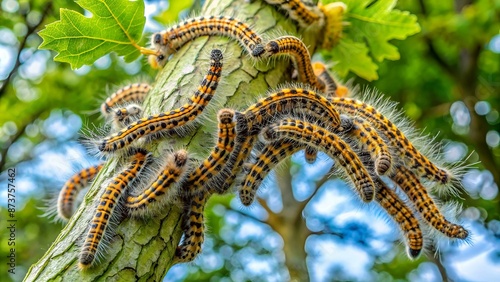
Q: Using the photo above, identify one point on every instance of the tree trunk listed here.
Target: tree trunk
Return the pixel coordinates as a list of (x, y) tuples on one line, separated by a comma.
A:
[(143, 249)]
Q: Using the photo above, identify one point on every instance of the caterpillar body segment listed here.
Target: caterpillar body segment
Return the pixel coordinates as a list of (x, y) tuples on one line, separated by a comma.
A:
[(108, 202), (208, 175), (70, 190), (424, 204), (297, 50), (243, 144), (162, 188), (403, 216), (194, 228), (305, 14), (167, 42), (336, 148), (286, 101), (415, 160), (270, 156), (133, 93), (174, 120), (310, 154), (371, 142), (332, 87), (240, 154)]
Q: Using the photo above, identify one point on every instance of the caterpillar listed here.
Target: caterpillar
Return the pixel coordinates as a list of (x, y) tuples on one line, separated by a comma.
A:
[(403, 216), (242, 149), (371, 142), (297, 50), (306, 14), (70, 190), (208, 172), (272, 154), (310, 134), (100, 224), (303, 102), (415, 160), (161, 188), (173, 120), (131, 93), (424, 204), (169, 41), (194, 228), (332, 87)]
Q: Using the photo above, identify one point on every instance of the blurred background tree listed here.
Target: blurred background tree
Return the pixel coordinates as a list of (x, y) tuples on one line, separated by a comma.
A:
[(447, 81)]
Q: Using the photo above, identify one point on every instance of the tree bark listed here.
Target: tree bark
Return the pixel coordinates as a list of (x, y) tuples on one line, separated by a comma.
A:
[(143, 249)]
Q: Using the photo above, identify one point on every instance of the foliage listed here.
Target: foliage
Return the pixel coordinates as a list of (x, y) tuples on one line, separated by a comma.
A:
[(369, 27), (114, 26)]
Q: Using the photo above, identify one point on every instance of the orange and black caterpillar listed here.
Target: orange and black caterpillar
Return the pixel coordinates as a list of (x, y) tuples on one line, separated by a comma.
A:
[(403, 216), (297, 50), (295, 101), (169, 41), (332, 87), (161, 189), (172, 121), (424, 205), (70, 190), (193, 225), (415, 160), (108, 202), (208, 175), (135, 92), (306, 14)]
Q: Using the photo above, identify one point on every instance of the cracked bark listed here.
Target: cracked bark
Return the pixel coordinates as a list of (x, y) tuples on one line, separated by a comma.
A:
[(143, 249)]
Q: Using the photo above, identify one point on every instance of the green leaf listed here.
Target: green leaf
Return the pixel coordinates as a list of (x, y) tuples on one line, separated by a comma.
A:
[(377, 23), (372, 24), (115, 26), (171, 14), (353, 56)]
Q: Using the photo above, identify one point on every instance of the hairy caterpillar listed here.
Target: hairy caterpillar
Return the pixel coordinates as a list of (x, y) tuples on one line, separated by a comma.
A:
[(100, 224), (242, 149), (284, 101), (297, 50), (310, 134), (70, 190), (424, 204), (173, 120), (272, 154), (305, 14), (371, 142), (415, 160), (332, 87), (161, 188), (131, 93), (208, 172), (194, 228), (403, 216), (169, 41)]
